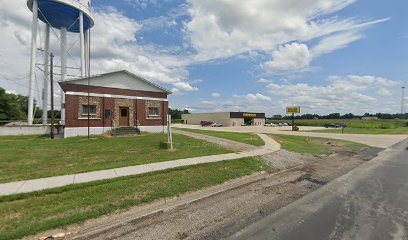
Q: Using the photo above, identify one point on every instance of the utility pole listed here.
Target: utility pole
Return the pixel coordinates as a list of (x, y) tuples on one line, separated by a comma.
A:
[(52, 94), (403, 101)]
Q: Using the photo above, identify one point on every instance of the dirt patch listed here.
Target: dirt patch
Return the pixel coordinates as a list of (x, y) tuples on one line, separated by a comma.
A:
[(284, 159)]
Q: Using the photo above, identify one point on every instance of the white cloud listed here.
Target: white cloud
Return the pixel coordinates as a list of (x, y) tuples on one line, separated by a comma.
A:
[(334, 42), (295, 56), (254, 97), (263, 80), (215, 95), (384, 92), (343, 94), (141, 4), (224, 28), (184, 86), (289, 57)]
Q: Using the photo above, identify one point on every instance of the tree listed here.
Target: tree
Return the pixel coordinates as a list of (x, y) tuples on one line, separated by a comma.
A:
[(176, 113), (10, 108)]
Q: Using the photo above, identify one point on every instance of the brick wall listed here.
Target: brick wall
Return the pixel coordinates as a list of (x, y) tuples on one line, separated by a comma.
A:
[(137, 111)]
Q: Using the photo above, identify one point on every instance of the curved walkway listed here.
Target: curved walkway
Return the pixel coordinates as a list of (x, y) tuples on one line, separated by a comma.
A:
[(226, 143), (59, 181)]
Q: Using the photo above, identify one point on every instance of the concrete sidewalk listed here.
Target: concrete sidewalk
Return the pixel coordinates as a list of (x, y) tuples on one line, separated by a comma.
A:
[(59, 181)]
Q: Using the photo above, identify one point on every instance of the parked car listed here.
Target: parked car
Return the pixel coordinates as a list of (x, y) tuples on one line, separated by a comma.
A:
[(270, 125), (341, 125), (329, 125), (285, 124), (205, 123), (216, 125)]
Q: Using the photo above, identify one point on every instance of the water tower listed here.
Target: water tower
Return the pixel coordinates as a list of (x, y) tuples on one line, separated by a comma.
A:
[(73, 16)]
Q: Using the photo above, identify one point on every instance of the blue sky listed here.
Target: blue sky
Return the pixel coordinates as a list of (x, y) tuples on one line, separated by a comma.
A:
[(262, 55)]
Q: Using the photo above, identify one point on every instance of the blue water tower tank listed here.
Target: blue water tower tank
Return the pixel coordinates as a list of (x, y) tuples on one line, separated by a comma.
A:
[(64, 13)]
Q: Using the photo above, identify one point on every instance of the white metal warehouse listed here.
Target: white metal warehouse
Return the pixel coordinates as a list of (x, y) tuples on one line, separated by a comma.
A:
[(227, 119)]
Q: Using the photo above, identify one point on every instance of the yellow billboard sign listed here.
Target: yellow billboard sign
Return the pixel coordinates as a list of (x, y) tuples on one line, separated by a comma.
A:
[(249, 115), (293, 110)]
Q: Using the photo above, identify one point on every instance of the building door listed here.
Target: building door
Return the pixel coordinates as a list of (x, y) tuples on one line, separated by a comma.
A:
[(248, 121), (124, 117)]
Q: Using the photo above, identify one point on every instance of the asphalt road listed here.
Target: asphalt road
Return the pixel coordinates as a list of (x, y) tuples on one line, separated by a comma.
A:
[(370, 202)]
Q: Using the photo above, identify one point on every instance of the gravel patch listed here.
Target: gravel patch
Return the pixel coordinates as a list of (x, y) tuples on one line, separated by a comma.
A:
[(284, 159)]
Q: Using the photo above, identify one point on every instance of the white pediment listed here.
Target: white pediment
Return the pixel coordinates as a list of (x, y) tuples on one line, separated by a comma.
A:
[(121, 80)]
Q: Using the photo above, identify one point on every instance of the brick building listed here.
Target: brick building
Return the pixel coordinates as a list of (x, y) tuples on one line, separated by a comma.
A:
[(117, 99)]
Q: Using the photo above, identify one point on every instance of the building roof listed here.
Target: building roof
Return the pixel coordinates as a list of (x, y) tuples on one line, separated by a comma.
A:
[(128, 81)]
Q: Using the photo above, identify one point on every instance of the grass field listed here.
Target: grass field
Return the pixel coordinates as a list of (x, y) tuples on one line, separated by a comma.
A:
[(399, 130), (248, 138), (29, 213), (311, 145), (357, 126), (30, 157)]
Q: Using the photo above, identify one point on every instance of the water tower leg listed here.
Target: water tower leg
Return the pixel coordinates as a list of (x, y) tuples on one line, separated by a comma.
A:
[(82, 41), (46, 75), (64, 43), (32, 66), (86, 52)]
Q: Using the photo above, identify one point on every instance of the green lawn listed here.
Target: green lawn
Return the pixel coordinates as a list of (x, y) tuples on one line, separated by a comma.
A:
[(399, 130), (29, 213), (248, 138), (311, 145), (30, 157), (357, 126)]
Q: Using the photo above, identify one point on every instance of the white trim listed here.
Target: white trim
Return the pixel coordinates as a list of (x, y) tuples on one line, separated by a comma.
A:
[(122, 71), (114, 96), (83, 131), (154, 129)]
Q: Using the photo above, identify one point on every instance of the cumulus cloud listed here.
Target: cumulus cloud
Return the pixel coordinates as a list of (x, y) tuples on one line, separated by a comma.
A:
[(223, 28), (215, 95), (294, 57), (351, 93), (289, 57), (257, 97)]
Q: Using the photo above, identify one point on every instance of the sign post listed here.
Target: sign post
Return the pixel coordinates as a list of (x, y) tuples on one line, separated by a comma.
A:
[(293, 111), (169, 136)]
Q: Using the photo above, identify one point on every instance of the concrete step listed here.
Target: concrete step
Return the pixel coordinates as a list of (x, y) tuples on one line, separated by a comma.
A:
[(125, 131)]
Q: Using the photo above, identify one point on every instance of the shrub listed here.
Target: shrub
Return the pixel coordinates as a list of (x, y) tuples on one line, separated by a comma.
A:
[(164, 145)]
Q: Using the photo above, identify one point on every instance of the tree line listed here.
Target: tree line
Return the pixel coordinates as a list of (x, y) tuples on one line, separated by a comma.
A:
[(15, 107), (344, 116), (176, 113)]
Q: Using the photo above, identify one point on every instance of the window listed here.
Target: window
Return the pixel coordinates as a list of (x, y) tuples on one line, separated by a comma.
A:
[(123, 112), (92, 110), (108, 113), (153, 112)]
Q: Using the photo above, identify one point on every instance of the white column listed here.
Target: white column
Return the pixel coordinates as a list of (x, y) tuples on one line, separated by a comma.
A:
[(86, 52), (46, 93), (32, 66), (82, 42), (64, 43)]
